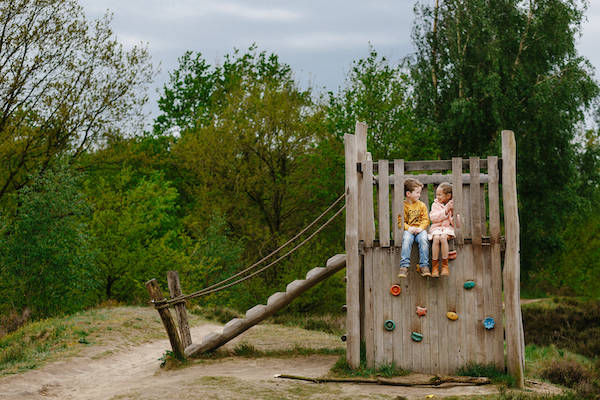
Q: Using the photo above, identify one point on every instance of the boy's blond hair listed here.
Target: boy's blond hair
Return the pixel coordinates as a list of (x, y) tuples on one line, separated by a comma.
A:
[(410, 184)]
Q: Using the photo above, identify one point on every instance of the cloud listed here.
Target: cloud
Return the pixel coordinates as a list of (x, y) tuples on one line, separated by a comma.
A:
[(319, 41), (178, 11)]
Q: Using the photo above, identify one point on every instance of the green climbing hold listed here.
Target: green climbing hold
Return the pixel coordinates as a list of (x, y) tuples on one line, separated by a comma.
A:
[(389, 325), (469, 285), (416, 336)]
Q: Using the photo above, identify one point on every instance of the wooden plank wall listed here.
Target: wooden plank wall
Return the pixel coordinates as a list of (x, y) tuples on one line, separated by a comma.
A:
[(447, 345)]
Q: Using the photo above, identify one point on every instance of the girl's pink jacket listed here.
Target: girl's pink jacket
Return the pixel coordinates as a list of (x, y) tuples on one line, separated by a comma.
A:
[(441, 215)]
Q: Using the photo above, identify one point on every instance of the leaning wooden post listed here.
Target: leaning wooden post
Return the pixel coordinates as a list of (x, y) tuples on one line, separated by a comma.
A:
[(182, 320), (352, 257), (157, 296), (514, 322)]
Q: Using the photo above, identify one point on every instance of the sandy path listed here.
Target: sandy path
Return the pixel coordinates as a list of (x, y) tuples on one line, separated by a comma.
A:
[(134, 373)]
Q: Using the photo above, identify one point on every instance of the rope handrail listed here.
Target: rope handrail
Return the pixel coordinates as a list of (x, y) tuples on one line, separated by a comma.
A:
[(208, 290), (213, 289)]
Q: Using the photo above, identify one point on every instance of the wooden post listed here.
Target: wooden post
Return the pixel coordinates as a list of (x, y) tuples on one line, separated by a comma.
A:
[(352, 257), (360, 133), (156, 295), (182, 320), (398, 204), (514, 322), (457, 195), (383, 202)]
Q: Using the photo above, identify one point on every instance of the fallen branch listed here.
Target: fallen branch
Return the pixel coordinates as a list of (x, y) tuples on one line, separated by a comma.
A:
[(435, 381)]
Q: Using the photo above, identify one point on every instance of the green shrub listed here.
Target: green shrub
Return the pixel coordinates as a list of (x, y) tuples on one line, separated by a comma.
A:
[(568, 323)]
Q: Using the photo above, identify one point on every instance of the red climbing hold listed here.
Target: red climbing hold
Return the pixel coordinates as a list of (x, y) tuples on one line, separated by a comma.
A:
[(395, 290), (421, 311)]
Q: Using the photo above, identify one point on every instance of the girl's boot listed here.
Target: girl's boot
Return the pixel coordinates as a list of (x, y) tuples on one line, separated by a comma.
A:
[(445, 271), (435, 268)]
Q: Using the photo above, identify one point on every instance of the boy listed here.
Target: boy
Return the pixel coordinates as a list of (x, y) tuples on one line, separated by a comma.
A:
[(416, 221)]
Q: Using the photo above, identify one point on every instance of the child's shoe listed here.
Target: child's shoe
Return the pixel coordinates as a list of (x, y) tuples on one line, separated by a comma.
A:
[(445, 271), (452, 255), (435, 270), (425, 271), (402, 272)]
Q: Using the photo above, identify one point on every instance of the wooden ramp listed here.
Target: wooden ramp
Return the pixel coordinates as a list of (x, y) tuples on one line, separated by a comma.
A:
[(260, 312)]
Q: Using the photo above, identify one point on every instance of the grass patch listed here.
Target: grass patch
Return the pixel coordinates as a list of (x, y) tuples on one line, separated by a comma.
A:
[(247, 350), (342, 369), (328, 323), (488, 370), (216, 314), (565, 368), (37, 342)]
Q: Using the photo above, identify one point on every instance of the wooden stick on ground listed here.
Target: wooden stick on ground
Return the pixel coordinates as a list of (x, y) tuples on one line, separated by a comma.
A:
[(435, 381)]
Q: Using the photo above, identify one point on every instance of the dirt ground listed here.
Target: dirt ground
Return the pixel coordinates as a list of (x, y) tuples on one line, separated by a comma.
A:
[(134, 373)]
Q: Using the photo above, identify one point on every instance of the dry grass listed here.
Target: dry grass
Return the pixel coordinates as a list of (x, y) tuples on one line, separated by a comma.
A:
[(99, 331)]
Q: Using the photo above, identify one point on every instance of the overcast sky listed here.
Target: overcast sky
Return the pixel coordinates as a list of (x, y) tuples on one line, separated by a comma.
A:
[(318, 39)]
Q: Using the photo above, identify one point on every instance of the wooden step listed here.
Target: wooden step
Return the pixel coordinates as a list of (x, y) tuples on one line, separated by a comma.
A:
[(275, 302)]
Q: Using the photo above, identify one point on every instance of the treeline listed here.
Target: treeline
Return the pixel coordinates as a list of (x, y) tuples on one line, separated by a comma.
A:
[(242, 157)]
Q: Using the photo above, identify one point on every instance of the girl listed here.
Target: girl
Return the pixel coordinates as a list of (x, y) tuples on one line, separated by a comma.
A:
[(442, 227)]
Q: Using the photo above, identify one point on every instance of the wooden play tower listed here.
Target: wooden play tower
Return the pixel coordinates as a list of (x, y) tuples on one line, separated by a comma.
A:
[(485, 272)]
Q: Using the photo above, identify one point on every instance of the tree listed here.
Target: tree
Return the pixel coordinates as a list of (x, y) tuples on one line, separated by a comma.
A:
[(65, 84), (245, 157), (135, 231), (46, 260), (482, 66), (378, 93)]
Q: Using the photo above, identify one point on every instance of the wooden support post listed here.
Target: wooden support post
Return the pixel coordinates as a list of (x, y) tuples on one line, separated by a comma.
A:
[(383, 202), (457, 195), (514, 321), (352, 258), (182, 320), (156, 296), (360, 146)]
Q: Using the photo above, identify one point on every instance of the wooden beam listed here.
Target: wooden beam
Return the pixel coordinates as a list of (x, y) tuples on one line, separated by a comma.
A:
[(495, 261), (438, 165), (398, 205), (383, 201), (352, 257), (457, 196), (514, 322), (157, 296), (436, 179), (182, 319)]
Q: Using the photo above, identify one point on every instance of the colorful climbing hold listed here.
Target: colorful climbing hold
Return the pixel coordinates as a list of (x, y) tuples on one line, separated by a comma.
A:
[(452, 315), (416, 336), (389, 325), (489, 323), (469, 285), (421, 311), (395, 290)]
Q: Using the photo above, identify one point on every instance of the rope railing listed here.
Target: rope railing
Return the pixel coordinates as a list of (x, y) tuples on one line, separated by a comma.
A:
[(222, 284)]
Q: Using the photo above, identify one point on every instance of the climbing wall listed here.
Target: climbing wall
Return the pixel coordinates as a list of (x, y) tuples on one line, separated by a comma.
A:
[(434, 325), (445, 344)]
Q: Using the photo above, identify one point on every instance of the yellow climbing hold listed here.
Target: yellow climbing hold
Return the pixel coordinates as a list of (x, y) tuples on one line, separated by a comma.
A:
[(452, 315)]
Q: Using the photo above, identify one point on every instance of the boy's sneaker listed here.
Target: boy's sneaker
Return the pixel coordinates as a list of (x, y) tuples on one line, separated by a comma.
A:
[(403, 272), (425, 271)]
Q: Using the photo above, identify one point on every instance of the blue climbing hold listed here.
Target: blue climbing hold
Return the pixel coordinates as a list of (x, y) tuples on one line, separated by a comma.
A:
[(469, 285), (489, 323)]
